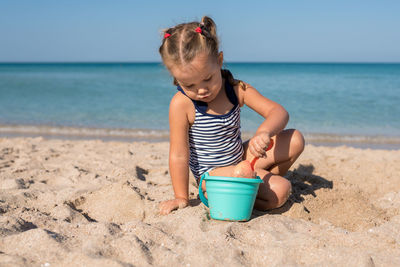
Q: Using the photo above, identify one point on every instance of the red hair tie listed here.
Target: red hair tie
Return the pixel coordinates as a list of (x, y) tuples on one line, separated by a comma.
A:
[(166, 35), (198, 29)]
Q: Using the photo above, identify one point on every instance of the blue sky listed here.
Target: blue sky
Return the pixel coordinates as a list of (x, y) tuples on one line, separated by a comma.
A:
[(269, 31)]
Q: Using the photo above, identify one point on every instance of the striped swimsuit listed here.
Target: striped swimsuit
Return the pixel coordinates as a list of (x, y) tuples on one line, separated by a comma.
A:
[(215, 140)]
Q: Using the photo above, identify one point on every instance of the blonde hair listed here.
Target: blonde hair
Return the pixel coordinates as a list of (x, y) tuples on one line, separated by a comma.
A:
[(183, 42)]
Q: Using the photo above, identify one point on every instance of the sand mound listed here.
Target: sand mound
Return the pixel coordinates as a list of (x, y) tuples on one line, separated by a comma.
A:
[(117, 203)]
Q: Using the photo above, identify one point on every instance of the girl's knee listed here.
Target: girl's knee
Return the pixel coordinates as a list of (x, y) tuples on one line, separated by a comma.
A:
[(297, 142), (284, 192), (277, 198)]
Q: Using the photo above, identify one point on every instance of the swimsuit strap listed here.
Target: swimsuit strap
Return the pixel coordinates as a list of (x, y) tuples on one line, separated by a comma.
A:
[(230, 92)]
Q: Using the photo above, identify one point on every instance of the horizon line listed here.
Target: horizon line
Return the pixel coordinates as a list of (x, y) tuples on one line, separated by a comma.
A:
[(227, 62)]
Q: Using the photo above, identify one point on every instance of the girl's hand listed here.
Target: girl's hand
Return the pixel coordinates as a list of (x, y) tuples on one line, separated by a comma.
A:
[(259, 143), (173, 204)]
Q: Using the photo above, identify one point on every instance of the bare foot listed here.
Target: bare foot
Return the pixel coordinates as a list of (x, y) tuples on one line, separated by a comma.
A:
[(243, 170)]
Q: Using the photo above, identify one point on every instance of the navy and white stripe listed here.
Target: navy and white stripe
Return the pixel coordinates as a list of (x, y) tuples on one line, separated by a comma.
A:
[(214, 141)]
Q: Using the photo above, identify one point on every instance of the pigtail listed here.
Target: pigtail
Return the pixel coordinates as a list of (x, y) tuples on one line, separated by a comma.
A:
[(227, 75), (209, 25), (165, 33)]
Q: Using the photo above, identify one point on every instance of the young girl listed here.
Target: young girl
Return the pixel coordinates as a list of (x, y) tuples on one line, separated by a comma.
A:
[(204, 118)]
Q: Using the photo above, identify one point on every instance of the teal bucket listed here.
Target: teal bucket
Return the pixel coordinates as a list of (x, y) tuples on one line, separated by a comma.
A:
[(229, 198)]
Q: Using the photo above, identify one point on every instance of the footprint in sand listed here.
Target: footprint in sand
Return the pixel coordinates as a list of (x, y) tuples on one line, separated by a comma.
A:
[(116, 203)]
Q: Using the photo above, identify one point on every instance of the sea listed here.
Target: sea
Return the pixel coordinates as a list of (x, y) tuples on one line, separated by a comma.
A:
[(331, 103)]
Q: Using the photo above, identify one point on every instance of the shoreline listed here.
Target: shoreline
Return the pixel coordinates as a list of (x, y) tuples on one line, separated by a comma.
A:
[(153, 135)]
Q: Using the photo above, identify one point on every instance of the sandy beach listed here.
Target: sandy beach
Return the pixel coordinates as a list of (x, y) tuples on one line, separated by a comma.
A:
[(95, 203)]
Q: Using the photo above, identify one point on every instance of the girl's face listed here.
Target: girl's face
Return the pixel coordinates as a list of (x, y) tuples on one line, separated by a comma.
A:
[(201, 79)]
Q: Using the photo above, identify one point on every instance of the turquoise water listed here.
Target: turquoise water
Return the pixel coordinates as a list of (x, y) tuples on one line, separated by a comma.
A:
[(322, 99)]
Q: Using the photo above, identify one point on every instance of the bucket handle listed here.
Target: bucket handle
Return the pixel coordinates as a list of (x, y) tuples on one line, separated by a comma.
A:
[(202, 197)]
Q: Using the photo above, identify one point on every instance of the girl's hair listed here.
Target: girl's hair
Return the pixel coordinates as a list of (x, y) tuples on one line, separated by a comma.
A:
[(183, 42)]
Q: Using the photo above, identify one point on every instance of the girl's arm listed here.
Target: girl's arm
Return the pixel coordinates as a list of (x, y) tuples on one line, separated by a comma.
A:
[(179, 148), (178, 155), (276, 118)]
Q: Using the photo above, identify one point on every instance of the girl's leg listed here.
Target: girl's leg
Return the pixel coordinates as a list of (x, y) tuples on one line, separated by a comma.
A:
[(275, 190)]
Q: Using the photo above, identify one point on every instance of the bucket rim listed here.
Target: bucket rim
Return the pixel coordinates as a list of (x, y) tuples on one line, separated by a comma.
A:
[(256, 180)]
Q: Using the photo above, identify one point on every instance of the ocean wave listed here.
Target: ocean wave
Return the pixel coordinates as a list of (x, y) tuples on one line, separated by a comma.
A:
[(163, 135), (345, 139), (334, 138), (84, 132)]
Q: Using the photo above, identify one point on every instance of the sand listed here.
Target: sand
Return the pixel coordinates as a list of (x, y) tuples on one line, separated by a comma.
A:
[(95, 203)]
